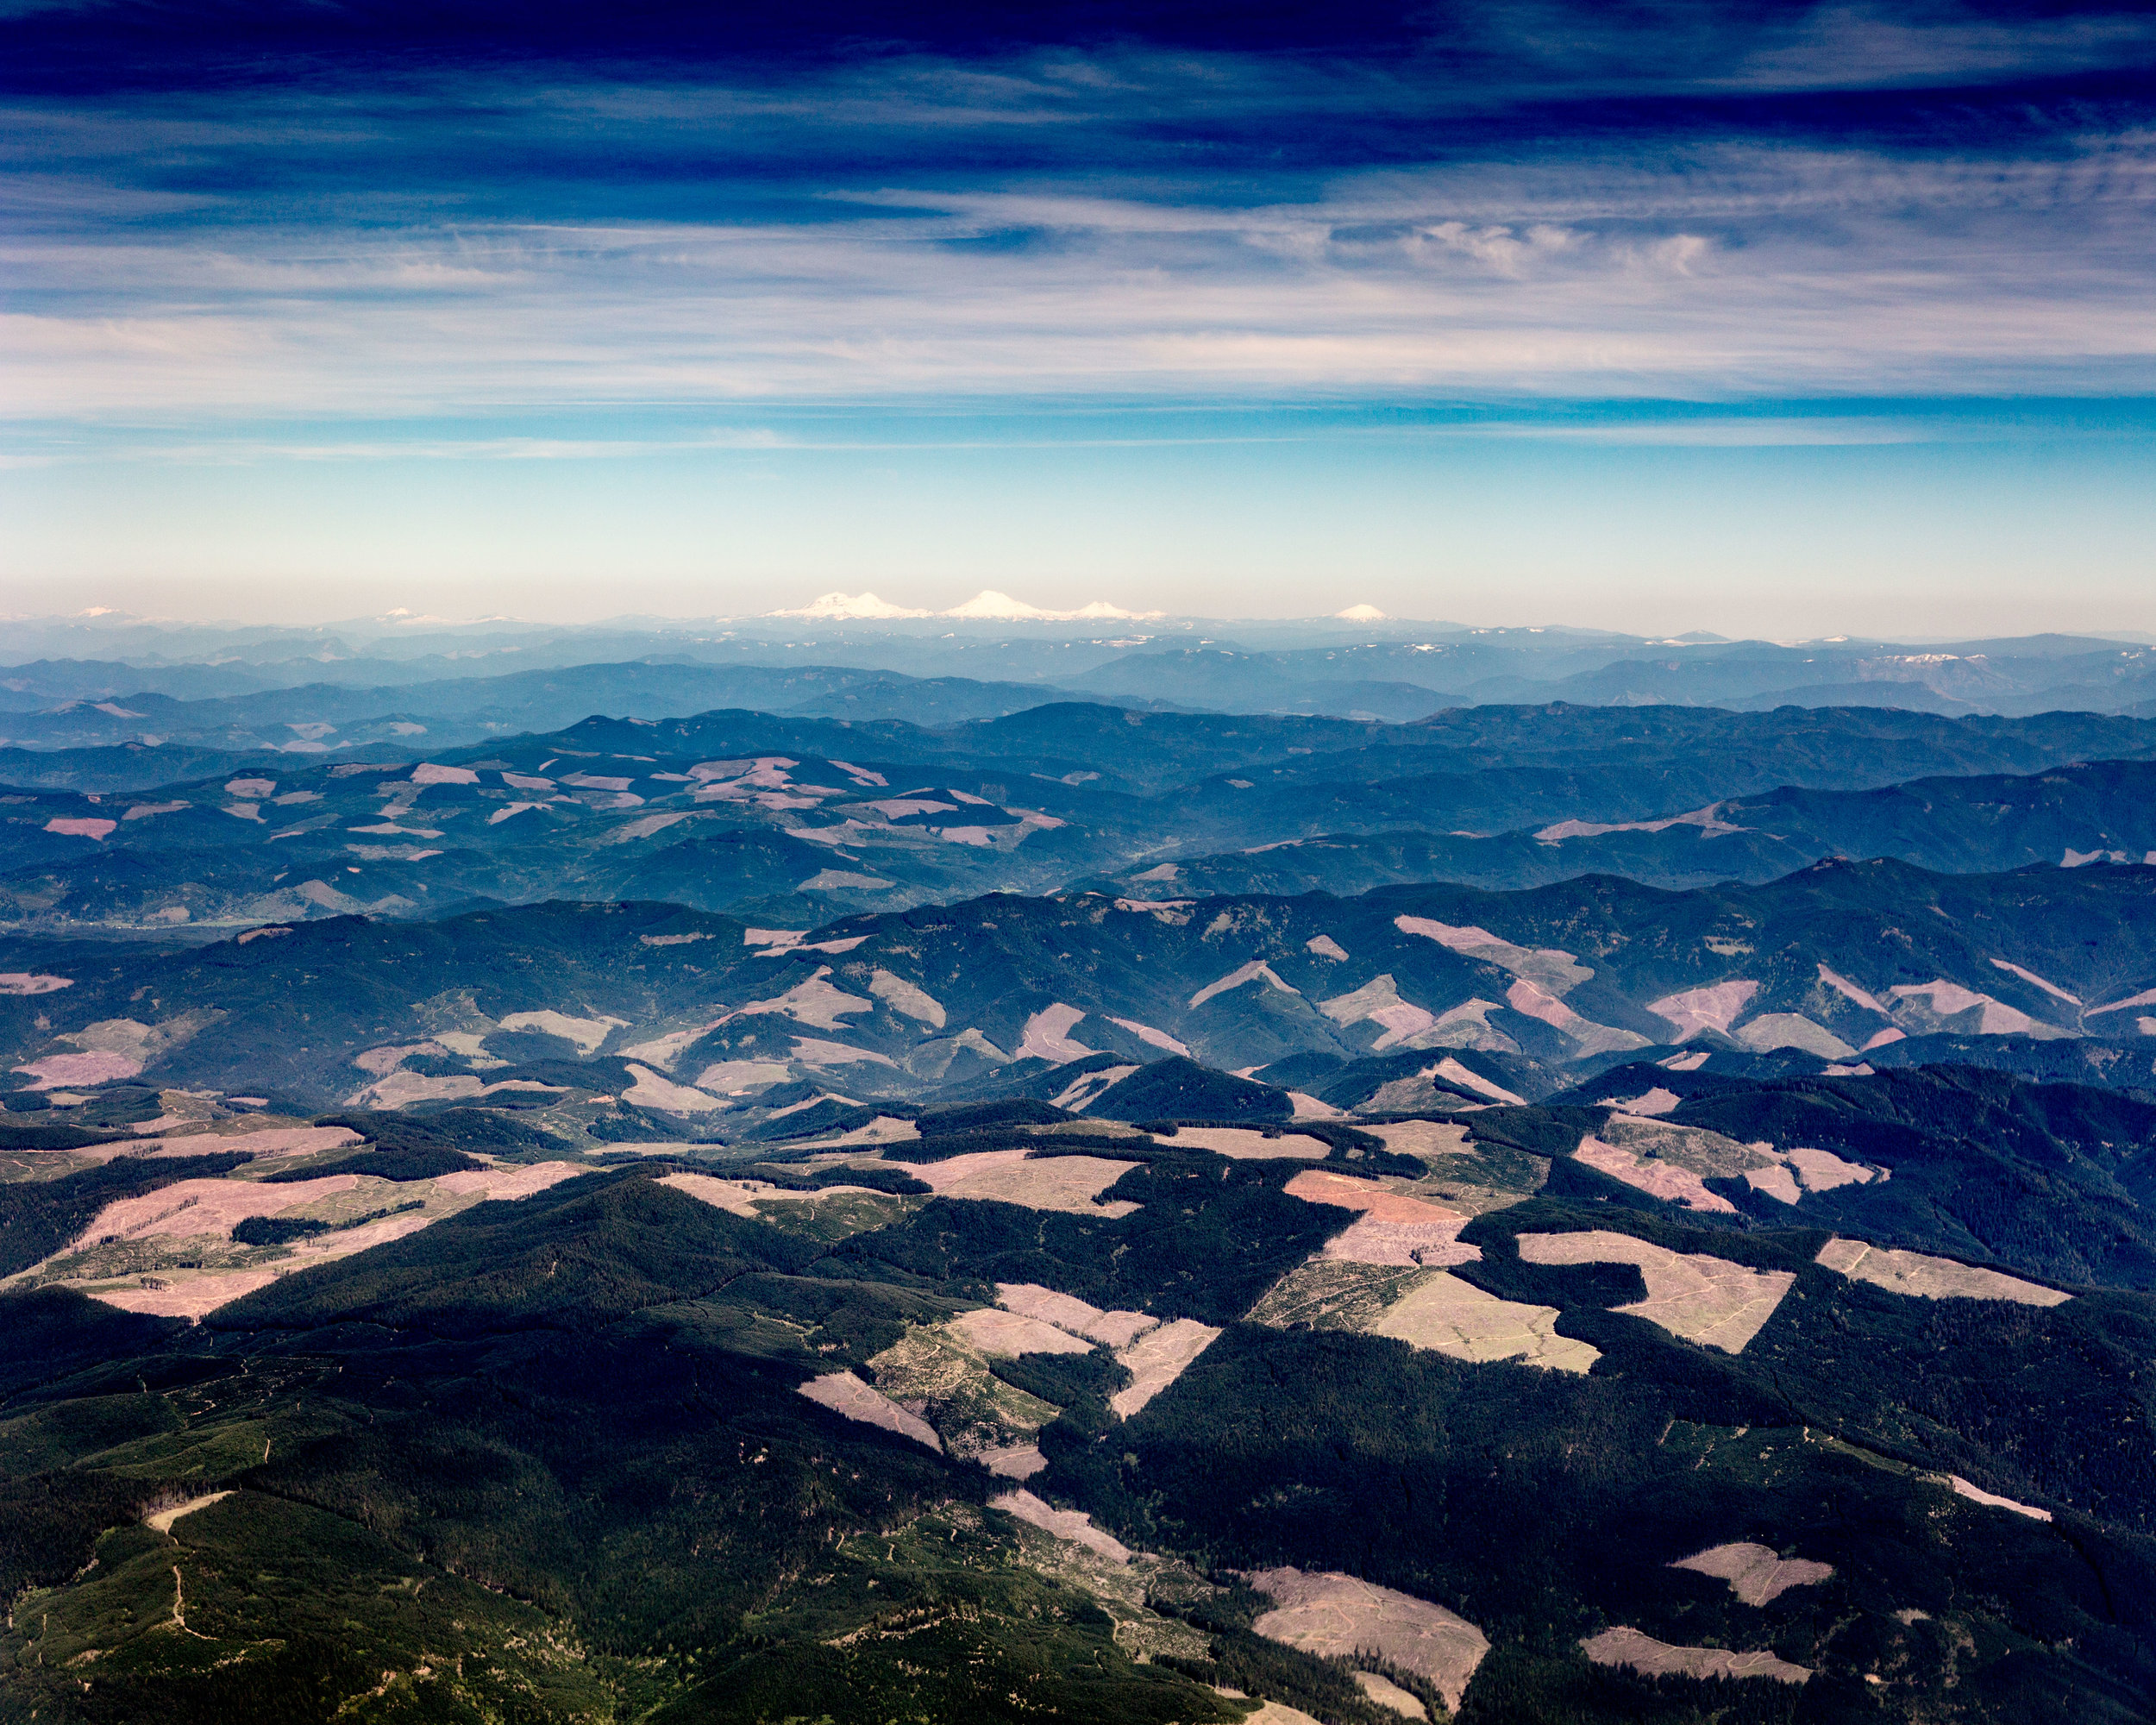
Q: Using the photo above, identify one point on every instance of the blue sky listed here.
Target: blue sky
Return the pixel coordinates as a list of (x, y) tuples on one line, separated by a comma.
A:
[(1763, 319)]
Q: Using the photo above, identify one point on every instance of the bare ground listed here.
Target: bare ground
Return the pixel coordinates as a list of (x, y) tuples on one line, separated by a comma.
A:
[(1756, 1574), (1013, 1461), (937, 1372), (1455, 1318), (1703, 1298), (195, 1296), (1004, 1335), (1652, 1176), (278, 1142), (510, 1182), (177, 1291), (1157, 1358), (1976, 1494), (163, 1520), (828, 1212), (1069, 1183), (1394, 1227), (1821, 1170), (1643, 1654), (1244, 1144), (1073, 1525), (847, 1395), (1777, 1182), (1930, 1278), (1330, 1614), (1387, 1693), (192, 1207), (1067, 1312)]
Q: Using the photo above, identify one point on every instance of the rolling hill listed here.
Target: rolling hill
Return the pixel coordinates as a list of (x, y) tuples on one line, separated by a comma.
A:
[(1129, 1423), (928, 1204)]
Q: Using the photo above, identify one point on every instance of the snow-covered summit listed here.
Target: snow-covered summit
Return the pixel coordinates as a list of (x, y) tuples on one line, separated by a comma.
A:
[(838, 606), (989, 605)]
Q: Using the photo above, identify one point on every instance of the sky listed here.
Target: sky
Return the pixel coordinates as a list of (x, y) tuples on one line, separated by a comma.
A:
[(1773, 319)]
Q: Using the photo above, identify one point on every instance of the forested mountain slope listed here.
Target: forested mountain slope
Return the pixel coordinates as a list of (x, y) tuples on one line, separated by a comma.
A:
[(1075, 1213), (730, 1432)]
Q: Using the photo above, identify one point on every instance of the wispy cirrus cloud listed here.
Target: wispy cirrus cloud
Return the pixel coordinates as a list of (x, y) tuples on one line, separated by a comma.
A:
[(1525, 202), (1722, 271)]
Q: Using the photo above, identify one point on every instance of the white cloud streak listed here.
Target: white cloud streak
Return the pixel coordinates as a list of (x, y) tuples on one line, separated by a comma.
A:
[(1728, 274), (141, 295)]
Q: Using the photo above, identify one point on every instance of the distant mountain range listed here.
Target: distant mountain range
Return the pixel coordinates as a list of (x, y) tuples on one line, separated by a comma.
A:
[(740, 1186), (328, 693), (2068, 816), (331, 719), (798, 819)]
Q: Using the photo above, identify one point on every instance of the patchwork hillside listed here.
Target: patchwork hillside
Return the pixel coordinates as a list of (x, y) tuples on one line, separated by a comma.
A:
[(1843, 965), (1131, 1423), (779, 820), (1081, 1213), (538, 818)]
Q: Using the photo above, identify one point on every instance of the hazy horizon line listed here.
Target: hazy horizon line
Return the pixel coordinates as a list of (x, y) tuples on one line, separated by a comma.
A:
[(390, 623)]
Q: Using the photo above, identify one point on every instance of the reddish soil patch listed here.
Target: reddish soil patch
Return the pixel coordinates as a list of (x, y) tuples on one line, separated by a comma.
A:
[(1394, 1228), (1658, 1178), (847, 1395), (96, 1066), (1066, 1312), (1158, 1359), (1333, 1615), (1242, 1143), (1065, 1524), (1007, 1334), (1643, 1654), (1701, 1298), (509, 1182), (1976, 1494), (194, 1297), (206, 1207), (1056, 1182), (1714, 1007), (1755, 1573)]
